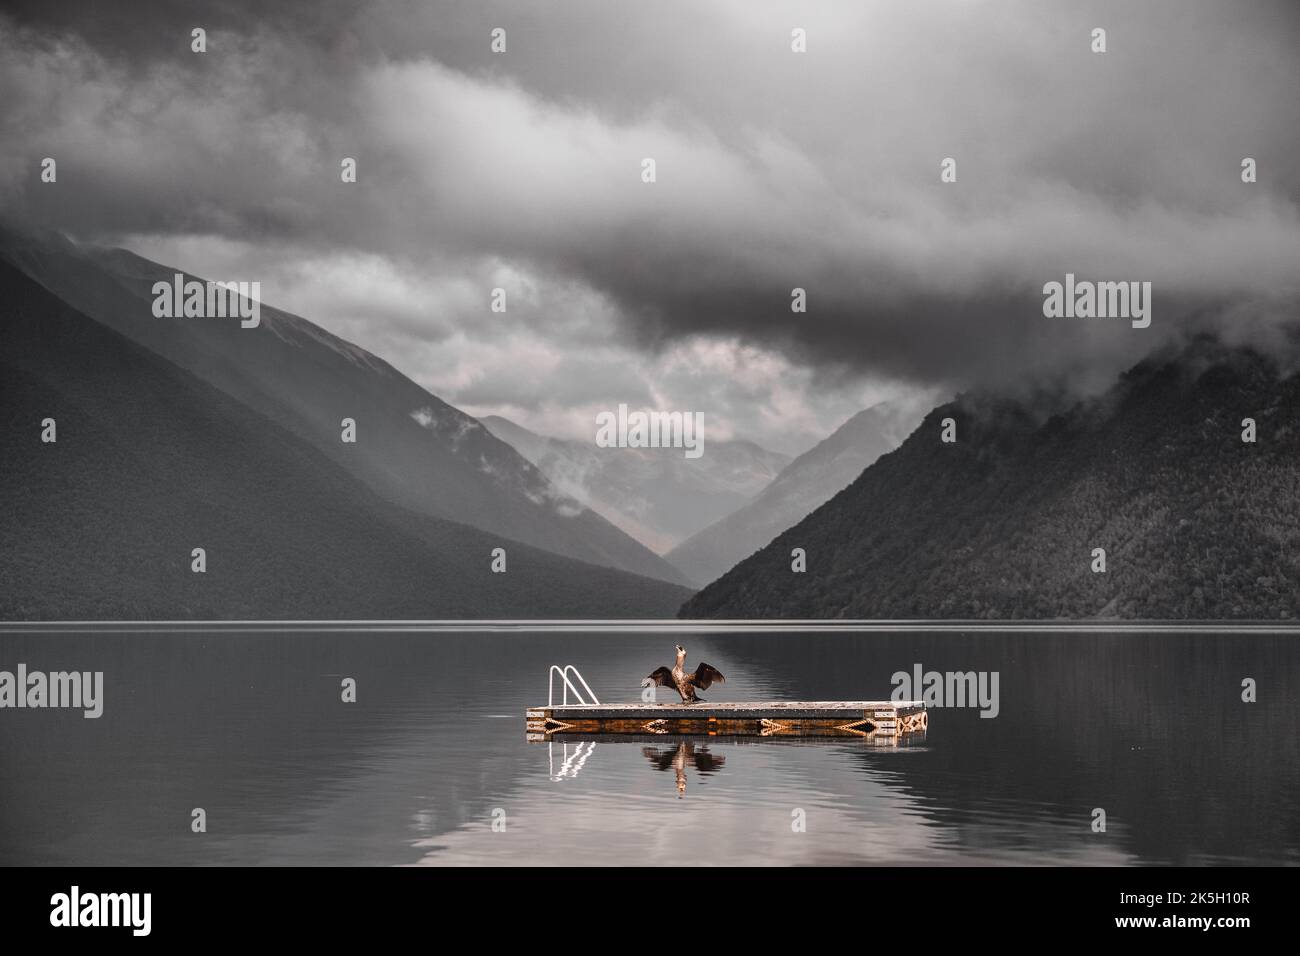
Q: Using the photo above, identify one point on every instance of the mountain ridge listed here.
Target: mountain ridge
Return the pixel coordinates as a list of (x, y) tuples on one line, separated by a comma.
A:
[(1002, 524), (656, 495), (151, 462), (804, 484), (412, 447)]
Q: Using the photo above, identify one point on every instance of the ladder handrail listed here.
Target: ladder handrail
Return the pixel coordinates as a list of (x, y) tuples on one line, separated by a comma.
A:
[(569, 768), (568, 685), (583, 681)]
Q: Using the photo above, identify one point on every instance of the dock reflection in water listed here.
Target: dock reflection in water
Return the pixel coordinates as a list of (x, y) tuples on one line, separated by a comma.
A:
[(567, 758)]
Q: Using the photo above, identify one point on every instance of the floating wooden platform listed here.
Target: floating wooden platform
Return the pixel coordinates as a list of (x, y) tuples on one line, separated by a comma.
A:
[(828, 718)]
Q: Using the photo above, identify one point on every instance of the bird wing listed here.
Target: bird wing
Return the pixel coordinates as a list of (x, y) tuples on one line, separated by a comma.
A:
[(705, 675), (660, 758), (662, 676), (706, 762)]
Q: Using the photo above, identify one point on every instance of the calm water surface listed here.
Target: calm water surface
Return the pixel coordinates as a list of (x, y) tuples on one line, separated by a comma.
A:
[(250, 727)]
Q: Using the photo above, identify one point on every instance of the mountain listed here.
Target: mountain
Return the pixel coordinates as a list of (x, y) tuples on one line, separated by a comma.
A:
[(657, 495), (414, 449), (151, 462), (1194, 522), (803, 485)]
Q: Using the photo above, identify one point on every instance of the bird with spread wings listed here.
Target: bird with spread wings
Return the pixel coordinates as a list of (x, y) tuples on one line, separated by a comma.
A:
[(683, 681)]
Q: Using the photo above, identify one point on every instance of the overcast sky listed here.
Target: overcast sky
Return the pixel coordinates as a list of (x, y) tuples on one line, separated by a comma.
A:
[(775, 170)]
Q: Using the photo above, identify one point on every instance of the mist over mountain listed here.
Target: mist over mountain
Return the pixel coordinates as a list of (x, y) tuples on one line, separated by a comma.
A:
[(1003, 523), (150, 463), (412, 448), (804, 484), (656, 495)]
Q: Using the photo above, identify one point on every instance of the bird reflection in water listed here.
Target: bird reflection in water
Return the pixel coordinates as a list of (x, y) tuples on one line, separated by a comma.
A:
[(704, 762)]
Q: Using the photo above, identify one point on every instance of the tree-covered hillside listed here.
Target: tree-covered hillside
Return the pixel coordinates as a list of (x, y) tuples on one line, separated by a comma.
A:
[(1002, 523)]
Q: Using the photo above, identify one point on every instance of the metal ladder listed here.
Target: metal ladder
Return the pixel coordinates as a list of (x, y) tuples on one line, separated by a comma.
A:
[(568, 686), (572, 765)]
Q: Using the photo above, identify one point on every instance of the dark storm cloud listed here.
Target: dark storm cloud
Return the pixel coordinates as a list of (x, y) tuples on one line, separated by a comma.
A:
[(146, 32), (775, 170)]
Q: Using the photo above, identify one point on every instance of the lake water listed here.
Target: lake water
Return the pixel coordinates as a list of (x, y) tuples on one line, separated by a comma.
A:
[(250, 727)]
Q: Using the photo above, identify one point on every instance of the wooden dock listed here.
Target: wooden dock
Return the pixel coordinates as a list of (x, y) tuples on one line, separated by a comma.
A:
[(834, 718)]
